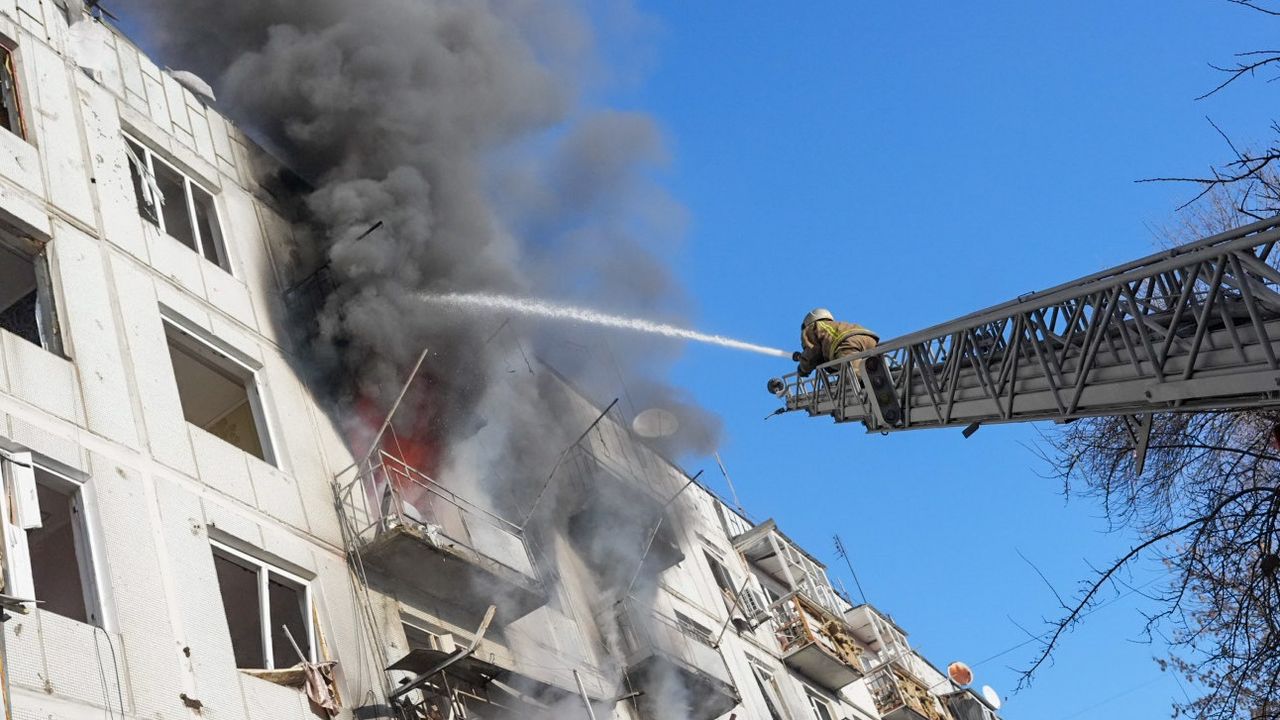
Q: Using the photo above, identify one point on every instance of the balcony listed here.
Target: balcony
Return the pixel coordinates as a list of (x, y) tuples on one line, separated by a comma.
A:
[(665, 660), (899, 695), (817, 644), (418, 533), (611, 526)]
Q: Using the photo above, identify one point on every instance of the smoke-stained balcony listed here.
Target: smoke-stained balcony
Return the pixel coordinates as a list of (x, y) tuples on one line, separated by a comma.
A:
[(674, 663), (816, 643), (900, 695), (416, 531)]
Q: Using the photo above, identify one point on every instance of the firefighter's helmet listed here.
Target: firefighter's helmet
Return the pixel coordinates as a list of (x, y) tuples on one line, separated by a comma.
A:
[(815, 315)]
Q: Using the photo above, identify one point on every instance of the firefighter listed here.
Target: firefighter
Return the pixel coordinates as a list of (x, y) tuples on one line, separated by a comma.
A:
[(824, 339)]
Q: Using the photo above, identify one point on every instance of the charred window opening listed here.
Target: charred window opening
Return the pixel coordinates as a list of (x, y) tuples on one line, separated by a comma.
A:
[(47, 550), (219, 395), (26, 294), (260, 601), (176, 204), (10, 105)]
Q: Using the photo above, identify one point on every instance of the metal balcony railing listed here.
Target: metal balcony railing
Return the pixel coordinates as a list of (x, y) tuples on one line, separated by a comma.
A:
[(648, 633), (387, 494)]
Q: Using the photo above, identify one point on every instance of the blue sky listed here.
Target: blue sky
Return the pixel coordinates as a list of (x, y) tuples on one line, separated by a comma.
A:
[(904, 163)]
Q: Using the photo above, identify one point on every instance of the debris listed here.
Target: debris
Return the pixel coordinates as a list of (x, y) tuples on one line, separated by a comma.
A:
[(195, 84)]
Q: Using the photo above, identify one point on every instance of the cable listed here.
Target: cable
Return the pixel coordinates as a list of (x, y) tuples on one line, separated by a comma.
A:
[(115, 668)]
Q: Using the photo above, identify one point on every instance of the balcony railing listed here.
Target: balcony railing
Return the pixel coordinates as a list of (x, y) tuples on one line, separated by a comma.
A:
[(401, 518), (899, 695), (654, 644)]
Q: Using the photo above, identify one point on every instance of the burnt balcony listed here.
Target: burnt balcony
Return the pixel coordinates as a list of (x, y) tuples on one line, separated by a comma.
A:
[(658, 651), (817, 643), (416, 532), (900, 695)]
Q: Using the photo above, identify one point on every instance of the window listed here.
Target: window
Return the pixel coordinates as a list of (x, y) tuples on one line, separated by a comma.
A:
[(821, 709), (26, 293), (260, 601), (769, 691), (218, 394), (694, 629), (10, 105), (48, 556), (176, 204), (723, 580)]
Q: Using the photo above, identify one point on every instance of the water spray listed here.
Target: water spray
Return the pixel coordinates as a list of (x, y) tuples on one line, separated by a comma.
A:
[(556, 311)]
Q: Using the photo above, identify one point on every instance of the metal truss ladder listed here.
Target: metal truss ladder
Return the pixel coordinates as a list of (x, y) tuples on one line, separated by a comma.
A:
[(1192, 328)]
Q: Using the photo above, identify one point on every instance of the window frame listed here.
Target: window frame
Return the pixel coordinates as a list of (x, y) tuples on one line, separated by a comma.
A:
[(20, 581), (819, 705), (767, 680), (9, 58), (219, 243), (192, 341), (265, 570)]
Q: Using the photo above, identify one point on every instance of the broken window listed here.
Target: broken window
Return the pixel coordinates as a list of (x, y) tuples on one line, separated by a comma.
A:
[(10, 105), (26, 293), (47, 546), (218, 394), (260, 601), (176, 204)]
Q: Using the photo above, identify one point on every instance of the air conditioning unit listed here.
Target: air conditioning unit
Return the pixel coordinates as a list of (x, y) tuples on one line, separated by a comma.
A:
[(753, 606)]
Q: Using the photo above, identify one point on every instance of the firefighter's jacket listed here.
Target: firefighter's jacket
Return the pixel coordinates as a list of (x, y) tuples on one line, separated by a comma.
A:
[(827, 340)]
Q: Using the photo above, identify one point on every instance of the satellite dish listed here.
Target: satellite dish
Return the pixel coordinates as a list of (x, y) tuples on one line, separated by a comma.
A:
[(960, 673), (991, 696), (655, 423)]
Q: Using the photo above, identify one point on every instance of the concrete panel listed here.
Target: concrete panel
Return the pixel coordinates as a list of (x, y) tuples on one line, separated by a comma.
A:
[(56, 447), (157, 388), (92, 333), (204, 621), (9, 8), (268, 701), (277, 494), (187, 308), (19, 211), (222, 466), (131, 73), (32, 8), (111, 73), (59, 133), (117, 204), (247, 245), (175, 260), (77, 659), (135, 575), (228, 294), (41, 378), (20, 163), (223, 521), (221, 140), (176, 97), (26, 652), (157, 107), (201, 132)]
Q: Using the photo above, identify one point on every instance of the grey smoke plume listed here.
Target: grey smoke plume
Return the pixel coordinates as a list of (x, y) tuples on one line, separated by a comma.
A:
[(459, 126)]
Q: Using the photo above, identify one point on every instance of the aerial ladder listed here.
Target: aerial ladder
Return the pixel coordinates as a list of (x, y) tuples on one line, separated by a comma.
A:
[(1193, 328)]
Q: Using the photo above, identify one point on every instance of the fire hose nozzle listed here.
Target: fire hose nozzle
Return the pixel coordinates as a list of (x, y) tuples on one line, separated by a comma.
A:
[(795, 356), (777, 387)]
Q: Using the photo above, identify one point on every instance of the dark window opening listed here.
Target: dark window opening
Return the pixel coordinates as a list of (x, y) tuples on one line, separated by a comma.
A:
[(26, 297), (10, 106), (239, 588), (58, 557), (253, 593), (218, 394)]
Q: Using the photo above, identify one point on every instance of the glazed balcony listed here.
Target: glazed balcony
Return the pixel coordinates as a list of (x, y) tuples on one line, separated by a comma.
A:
[(899, 695), (817, 643)]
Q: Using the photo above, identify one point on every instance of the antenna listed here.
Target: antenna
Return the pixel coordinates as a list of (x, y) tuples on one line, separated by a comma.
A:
[(737, 504), (842, 552), (991, 696)]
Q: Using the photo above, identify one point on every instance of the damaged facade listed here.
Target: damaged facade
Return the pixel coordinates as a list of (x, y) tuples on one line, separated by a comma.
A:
[(196, 530)]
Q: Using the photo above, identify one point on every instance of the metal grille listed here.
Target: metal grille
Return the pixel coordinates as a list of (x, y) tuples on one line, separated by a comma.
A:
[(1192, 328)]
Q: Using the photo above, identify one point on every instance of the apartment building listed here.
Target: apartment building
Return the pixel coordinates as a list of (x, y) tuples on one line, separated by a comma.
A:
[(186, 530)]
